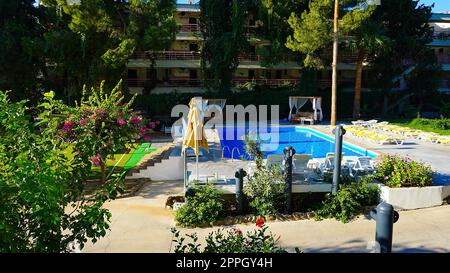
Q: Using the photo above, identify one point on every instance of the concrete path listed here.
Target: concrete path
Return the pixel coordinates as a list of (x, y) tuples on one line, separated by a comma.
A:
[(142, 224)]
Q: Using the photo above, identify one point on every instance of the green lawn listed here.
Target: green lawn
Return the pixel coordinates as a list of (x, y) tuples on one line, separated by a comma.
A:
[(122, 162), (424, 125)]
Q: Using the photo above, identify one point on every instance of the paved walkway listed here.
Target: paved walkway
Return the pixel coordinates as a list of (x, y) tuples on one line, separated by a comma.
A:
[(142, 224)]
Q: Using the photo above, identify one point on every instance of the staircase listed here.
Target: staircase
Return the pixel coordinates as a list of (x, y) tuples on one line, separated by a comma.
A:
[(159, 165)]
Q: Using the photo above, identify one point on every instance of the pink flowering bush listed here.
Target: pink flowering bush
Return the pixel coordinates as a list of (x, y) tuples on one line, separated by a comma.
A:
[(103, 124)]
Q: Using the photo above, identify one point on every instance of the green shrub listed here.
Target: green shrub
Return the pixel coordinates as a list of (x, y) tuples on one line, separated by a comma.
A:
[(204, 205), (436, 124), (231, 241), (264, 190), (397, 172), (348, 201), (445, 110)]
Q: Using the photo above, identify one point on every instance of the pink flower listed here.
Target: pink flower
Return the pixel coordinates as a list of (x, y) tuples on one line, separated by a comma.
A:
[(135, 120), (83, 121), (92, 118), (147, 138), (143, 130), (158, 122), (152, 125), (121, 122), (100, 112), (96, 159), (67, 126)]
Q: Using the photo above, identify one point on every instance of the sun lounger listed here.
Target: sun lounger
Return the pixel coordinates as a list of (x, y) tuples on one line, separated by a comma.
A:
[(443, 140), (300, 163), (384, 139), (274, 160), (363, 165)]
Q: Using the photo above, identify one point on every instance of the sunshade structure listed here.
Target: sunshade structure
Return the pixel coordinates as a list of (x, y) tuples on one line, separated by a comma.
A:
[(194, 136), (297, 102)]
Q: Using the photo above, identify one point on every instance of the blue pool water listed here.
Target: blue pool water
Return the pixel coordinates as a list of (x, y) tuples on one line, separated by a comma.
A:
[(304, 140)]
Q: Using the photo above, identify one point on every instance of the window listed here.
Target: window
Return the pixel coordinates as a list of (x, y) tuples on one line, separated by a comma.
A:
[(132, 73)]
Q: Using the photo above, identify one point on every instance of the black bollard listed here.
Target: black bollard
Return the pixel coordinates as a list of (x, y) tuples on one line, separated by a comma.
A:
[(339, 132), (240, 174), (385, 217), (289, 152)]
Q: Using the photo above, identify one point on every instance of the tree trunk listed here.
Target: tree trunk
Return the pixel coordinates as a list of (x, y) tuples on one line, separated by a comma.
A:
[(334, 66), (358, 82), (103, 171)]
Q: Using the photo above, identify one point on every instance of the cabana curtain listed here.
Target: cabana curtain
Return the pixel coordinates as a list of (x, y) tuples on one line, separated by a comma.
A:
[(298, 102)]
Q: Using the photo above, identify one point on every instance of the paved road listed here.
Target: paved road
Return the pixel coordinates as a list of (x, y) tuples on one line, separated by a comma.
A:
[(142, 224)]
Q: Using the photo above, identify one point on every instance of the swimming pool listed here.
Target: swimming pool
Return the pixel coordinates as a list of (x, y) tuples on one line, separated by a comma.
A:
[(304, 140)]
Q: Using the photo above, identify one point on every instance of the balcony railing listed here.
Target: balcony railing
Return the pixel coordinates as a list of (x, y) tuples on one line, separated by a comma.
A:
[(443, 59), (168, 55), (444, 84), (190, 28), (248, 57), (327, 83), (188, 82), (268, 82)]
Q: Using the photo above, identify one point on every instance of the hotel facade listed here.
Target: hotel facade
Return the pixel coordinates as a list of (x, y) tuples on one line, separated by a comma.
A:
[(179, 70)]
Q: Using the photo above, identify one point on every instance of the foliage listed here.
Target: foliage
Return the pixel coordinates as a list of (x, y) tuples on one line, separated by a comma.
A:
[(101, 125), (20, 57), (397, 172), (43, 206), (348, 201), (265, 190), (445, 110), (224, 38), (204, 205), (231, 241), (95, 38), (441, 126), (252, 148)]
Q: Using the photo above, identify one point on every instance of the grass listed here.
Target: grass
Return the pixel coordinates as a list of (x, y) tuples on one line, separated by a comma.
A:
[(421, 124), (122, 162)]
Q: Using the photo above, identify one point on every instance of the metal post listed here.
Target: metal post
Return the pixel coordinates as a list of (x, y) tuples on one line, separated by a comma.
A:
[(240, 174), (338, 134), (287, 168), (385, 217)]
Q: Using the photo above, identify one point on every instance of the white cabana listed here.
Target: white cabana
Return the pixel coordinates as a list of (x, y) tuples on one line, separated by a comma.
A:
[(297, 102), (219, 102)]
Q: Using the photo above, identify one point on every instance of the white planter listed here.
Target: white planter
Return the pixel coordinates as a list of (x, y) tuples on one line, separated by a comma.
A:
[(414, 197)]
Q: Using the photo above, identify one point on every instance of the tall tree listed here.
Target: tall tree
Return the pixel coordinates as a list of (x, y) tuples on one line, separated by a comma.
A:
[(409, 35), (367, 39), (222, 24), (313, 37), (20, 57), (100, 36)]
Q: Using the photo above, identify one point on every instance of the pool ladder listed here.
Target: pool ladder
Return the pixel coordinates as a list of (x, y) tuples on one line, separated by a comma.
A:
[(231, 152)]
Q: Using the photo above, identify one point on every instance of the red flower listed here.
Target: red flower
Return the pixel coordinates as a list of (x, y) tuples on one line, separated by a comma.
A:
[(147, 138), (238, 231), (143, 130), (259, 222)]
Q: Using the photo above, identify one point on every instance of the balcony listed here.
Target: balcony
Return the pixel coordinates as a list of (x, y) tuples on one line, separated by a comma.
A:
[(267, 82), (443, 59), (327, 83), (188, 82), (168, 55), (190, 28), (248, 57)]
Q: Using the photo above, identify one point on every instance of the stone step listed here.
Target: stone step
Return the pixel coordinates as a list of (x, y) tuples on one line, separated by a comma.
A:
[(152, 159)]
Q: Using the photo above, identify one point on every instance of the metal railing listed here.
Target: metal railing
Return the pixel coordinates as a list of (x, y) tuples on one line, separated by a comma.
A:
[(443, 59), (188, 82), (168, 55), (189, 28)]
